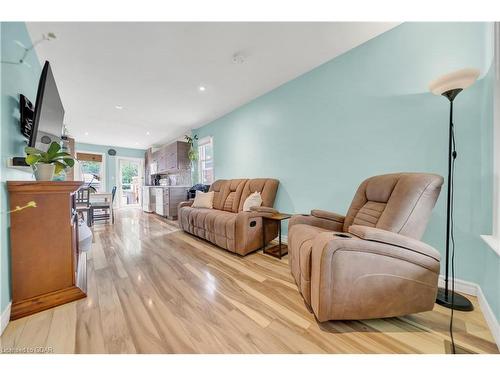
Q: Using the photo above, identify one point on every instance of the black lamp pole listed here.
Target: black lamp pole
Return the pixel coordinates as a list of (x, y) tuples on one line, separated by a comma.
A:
[(446, 297)]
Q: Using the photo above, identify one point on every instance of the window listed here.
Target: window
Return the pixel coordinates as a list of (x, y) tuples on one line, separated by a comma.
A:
[(91, 170), (493, 240), (206, 160)]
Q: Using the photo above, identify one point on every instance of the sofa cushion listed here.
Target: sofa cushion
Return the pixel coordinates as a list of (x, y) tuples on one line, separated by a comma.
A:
[(213, 225), (397, 202), (203, 200), (218, 188), (253, 200), (232, 194), (267, 188)]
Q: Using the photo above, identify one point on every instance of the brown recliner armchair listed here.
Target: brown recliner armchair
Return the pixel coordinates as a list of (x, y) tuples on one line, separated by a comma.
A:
[(370, 263)]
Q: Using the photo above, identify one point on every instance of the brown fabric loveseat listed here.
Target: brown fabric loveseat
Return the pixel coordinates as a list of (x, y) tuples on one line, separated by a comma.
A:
[(226, 224)]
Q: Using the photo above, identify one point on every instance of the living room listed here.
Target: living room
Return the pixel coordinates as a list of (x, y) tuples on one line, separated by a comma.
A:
[(250, 187)]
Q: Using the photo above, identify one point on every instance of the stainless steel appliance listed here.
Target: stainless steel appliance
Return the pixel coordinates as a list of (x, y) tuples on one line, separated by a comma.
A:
[(161, 206), (148, 199), (167, 199)]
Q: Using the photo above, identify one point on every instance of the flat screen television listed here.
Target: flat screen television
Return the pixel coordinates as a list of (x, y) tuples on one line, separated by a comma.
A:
[(48, 115)]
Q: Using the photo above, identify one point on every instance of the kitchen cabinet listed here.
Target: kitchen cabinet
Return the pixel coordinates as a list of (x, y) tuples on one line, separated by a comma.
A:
[(169, 158), (151, 164), (148, 159), (167, 198), (148, 199), (162, 202), (161, 160)]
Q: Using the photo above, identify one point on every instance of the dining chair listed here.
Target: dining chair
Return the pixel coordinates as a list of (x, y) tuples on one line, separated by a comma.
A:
[(104, 209), (83, 204)]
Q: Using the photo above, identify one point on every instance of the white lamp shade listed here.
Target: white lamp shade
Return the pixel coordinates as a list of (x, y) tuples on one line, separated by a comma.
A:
[(461, 79)]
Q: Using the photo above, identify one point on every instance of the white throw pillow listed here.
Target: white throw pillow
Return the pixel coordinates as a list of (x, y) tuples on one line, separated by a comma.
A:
[(253, 200), (203, 200)]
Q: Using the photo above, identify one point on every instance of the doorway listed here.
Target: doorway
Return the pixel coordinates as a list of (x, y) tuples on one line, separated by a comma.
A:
[(130, 178)]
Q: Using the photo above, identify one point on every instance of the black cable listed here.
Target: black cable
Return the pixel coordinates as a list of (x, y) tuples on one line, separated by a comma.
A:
[(452, 236)]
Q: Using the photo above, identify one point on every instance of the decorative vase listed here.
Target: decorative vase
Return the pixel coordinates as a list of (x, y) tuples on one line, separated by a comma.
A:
[(44, 172)]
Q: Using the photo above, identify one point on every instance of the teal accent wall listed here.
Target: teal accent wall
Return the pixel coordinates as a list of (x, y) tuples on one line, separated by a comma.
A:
[(110, 161), (369, 112), (15, 79)]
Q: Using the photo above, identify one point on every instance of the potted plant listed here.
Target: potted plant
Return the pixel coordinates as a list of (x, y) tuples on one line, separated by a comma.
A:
[(192, 154), (47, 164)]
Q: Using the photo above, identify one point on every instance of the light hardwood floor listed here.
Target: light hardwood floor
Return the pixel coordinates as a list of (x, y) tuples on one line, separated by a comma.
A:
[(155, 289)]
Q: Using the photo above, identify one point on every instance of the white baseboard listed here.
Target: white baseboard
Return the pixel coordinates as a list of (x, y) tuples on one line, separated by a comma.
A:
[(4, 318), (462, 286), (489, 316), (474, 289)]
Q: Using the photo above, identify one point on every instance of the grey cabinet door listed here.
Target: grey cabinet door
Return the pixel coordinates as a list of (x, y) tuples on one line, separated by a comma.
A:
[(162, 159), (152, 162), (147, 167), (183, 161), (171, 157), (162, 164), (154, 157)]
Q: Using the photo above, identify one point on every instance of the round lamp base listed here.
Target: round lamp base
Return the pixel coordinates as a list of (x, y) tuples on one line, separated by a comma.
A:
[(460, 303)]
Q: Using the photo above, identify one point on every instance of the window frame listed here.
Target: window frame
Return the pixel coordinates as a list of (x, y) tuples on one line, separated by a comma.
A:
[(496, 132), (208, 140), (493, 239), (104, 170)]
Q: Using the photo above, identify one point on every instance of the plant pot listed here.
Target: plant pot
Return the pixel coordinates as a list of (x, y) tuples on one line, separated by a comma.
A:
[(44, 172)]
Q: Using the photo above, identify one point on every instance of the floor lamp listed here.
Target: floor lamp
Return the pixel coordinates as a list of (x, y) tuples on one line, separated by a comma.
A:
[(449, 86)]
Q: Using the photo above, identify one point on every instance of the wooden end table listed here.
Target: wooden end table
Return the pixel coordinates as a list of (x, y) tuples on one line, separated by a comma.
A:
[(279, 250)]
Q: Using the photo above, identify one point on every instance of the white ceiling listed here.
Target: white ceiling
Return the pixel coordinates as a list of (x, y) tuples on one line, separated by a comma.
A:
[(154, 70)]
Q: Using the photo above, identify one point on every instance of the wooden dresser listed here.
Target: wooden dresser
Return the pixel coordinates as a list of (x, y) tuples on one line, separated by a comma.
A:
[(46, 267)]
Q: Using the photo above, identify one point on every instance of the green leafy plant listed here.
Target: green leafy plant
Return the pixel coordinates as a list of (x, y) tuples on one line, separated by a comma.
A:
[(192, 154), (61, 160)]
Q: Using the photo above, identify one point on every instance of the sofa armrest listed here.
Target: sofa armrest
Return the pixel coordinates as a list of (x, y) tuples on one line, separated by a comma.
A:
[(335, 226), (327, 215), (395, 239), (243, 218), (249, 227), (185, 203), (267, 210)]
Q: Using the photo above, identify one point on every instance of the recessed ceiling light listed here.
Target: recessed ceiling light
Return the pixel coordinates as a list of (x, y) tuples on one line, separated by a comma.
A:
[(136, 143), (118, 107), (202, 88), (86, 133), (148, 133)]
